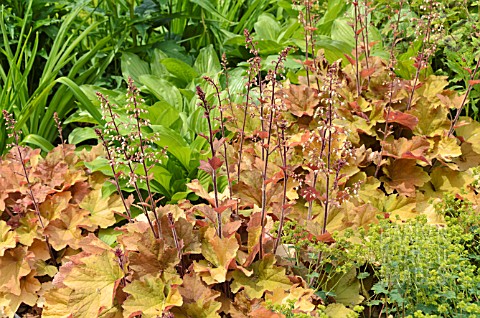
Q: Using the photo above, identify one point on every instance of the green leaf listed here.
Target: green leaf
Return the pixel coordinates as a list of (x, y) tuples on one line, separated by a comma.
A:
[(81, 134), (163, 90), (38, 141), (207, 61), (180, 70), (163, 114), (134, 67), (267, 28), (175, 144)]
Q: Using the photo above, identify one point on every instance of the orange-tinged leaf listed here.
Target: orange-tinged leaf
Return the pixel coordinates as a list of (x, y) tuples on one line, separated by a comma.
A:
[(401, 118), (151, 296), (367, 72), (266, 277), (13, 266), (52, 208), (474, 82), (218, 253), (301, 100), (7, 237), (29, 286), (93, 282), (66, 230), (198, 299), (416, 148), (148, 255), (404, 176), (102, 209), (198, 189)]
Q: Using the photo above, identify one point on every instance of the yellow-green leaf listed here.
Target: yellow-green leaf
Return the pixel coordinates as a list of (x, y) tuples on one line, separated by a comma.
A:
[(102, 209), (266, 276), (151, 296)]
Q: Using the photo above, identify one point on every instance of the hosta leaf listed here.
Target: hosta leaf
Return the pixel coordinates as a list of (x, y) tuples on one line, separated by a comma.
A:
[(266, 277), (7, 237), (93, 281), (102, 209), (180, 69), (151, 296), (218, 253), (404, 176)]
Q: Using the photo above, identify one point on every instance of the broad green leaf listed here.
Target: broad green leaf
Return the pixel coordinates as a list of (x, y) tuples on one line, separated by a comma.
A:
[(109, 236), (175, 144), (267, 28), (339, 311), (342, 31), (207, 61), (162, 113), (80, 134), (346, 288), (163, 90), (38, 141), (151, 296), (266, 277), (180, 70), (134, 67)]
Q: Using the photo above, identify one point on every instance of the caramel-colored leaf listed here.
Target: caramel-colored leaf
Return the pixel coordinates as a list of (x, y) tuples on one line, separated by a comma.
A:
[(218, 253), (404, 176), (7, 237), (301, 100)]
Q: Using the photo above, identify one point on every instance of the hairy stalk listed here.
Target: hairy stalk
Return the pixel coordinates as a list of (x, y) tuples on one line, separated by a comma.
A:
[(207, 108), (106, 105), (387, 130), (13, 133), (329, 150), (421, 60), (471, 82), (266, 146), (111, 162), (252, 73), (366, 41), (136, 113), (227, 88), (355, 30), (176, 239), (282, 145), (222, 131)]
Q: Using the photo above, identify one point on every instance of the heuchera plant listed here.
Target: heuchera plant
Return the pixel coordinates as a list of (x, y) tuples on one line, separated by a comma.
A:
[(327, 153)]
